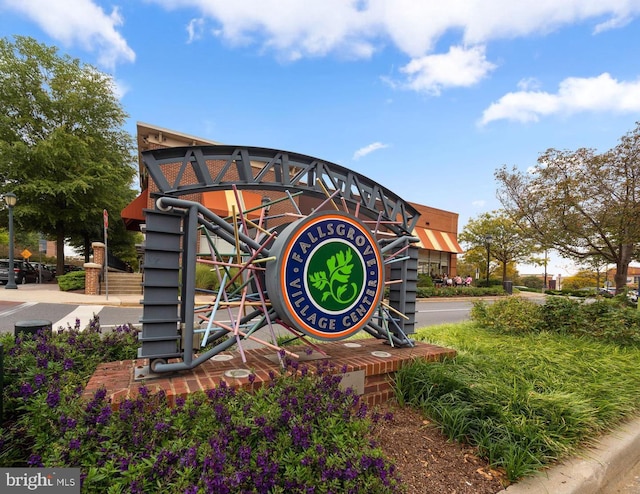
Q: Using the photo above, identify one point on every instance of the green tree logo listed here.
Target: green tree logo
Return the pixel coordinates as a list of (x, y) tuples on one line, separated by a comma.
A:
[(336, 276)]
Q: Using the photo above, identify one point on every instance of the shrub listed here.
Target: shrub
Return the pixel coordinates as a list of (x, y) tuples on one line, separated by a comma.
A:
[(459, 292), (509, 315), (73, 280), (424, 281), (205, 278), (609, 320), (561, 315), (60, 358), (301, 432), (532, 282)]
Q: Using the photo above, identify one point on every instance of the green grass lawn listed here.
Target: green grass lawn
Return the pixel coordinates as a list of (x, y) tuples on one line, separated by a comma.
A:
[(525, 400)]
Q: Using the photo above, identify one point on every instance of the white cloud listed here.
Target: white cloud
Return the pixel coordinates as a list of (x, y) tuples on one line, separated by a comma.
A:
[(120, 88), (529, 84), (613, 23), (575, 95), (480, 203), (195, 29), (368, 149), (317, 27), (458, 68), (295, 29), (79, 22)]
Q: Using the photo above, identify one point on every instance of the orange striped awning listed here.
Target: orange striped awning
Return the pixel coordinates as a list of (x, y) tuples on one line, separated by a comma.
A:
[(222, 202), (437, 240), (132, 214)]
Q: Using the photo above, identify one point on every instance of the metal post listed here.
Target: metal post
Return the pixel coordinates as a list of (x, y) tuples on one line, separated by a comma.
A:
[(544, 284), (488, 239), (105, 216), (10, 200)]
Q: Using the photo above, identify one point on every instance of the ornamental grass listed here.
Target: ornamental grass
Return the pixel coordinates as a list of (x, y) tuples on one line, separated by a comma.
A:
[(531, 384)]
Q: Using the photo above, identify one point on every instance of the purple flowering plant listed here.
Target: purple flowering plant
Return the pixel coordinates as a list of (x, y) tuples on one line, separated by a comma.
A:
[(302, 433)]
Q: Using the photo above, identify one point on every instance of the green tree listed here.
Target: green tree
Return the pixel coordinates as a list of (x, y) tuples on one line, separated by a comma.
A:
[(532, 282), (581, 203), (582, 279), (62, 147), (509, 244), (598, 266)]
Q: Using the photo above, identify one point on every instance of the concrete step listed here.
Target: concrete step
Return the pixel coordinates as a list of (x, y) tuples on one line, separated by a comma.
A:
[(123, 284)]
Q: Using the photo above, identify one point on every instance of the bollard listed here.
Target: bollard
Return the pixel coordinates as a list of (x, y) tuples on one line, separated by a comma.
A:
[(32, 327), (508, 287)]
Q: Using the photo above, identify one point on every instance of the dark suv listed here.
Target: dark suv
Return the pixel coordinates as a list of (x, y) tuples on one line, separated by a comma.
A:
[(23, 272)]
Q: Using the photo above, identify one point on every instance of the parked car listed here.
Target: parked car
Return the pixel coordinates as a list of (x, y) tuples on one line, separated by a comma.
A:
[(72, 267), (44, 273), (52, 268), (23, 272)]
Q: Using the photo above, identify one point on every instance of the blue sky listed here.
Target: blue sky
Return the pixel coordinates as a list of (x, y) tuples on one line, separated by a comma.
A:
[(426, 97)]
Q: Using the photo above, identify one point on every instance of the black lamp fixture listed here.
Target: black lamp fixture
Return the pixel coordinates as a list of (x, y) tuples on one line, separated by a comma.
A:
[(10, 200)]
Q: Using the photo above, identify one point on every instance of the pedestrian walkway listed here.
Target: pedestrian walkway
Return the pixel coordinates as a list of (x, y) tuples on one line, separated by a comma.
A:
[(51, 293), (82, 313)]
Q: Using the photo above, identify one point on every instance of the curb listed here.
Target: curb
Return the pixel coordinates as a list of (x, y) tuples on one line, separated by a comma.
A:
[(593, 471)]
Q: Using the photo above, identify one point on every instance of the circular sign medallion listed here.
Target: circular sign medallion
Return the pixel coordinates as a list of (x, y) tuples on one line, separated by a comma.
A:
[(327, 279)]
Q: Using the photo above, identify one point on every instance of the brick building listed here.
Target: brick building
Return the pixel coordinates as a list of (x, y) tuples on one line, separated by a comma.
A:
[(436, 229)]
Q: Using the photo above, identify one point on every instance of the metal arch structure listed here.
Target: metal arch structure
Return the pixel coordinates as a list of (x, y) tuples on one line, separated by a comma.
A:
[(273, 169), (171, 318)]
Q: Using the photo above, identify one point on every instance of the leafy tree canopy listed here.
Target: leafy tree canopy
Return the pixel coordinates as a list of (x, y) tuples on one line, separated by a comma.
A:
[(581, 203), (509, 244), (63, 151)]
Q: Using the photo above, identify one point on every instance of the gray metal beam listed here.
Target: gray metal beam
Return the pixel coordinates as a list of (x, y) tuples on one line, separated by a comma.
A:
[(255, 167)]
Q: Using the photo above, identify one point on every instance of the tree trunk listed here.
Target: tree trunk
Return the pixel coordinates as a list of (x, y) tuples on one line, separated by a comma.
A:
[(504, 272), (59, 249), (87, 248), (622, 267)]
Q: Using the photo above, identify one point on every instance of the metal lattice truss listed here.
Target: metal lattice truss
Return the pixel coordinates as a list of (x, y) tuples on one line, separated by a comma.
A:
[(255, 167), (240, 306)]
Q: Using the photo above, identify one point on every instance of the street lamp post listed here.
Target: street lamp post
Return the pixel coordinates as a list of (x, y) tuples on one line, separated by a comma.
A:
[(10, 200), (488, 238), (544, 284)]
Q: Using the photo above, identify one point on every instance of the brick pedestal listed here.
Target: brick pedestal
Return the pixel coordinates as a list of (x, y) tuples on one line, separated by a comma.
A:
[(118, 377), (92, 272)]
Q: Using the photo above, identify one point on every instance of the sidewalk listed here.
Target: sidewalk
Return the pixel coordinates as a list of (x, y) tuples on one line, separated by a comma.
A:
[(598, 470), (51, 293)]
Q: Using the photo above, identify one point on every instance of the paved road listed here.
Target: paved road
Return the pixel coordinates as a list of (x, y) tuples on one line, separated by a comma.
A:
[(428, 313)]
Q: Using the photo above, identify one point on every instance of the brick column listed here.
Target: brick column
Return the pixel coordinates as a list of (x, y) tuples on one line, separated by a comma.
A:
[(98, 252), (92, 272)]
